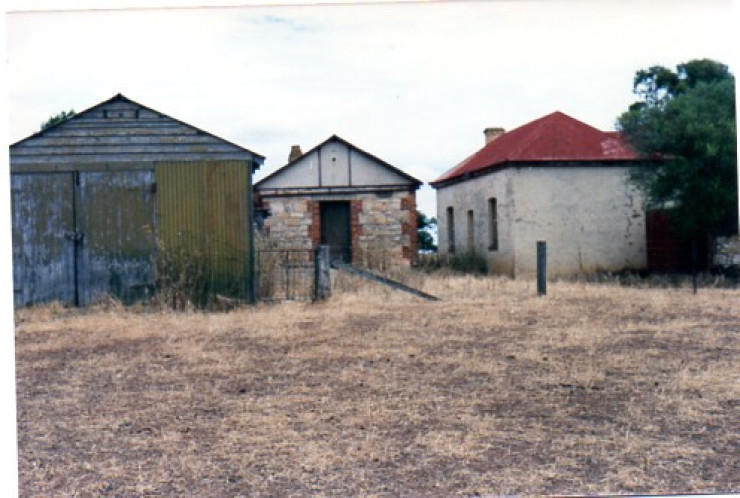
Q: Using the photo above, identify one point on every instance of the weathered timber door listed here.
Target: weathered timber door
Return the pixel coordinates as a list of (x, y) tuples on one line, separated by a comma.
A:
[(115, 215), (335, 230), (44, 238), (79, 235)]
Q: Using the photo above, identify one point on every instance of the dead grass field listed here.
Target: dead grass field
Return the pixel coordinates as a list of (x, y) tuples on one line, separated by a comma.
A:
[(593, 389)]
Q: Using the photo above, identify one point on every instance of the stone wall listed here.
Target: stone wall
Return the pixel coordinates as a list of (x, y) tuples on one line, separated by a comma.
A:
[(382, 226), (290, 222)]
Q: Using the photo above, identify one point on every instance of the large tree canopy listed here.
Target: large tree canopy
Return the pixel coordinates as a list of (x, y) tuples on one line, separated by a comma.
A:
[(686, 121)]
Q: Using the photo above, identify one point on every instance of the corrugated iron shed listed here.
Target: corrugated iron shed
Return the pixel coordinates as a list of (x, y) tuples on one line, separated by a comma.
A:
[(102, 200)]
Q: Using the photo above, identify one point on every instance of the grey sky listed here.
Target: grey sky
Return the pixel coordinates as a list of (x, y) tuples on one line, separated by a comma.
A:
[(414, 84)]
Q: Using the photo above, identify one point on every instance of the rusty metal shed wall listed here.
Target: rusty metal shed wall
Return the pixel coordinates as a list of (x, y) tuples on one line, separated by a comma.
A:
[(203, 210)]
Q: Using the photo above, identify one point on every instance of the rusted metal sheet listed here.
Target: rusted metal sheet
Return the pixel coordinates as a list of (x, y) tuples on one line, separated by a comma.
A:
[(43, 238), (203, 211)]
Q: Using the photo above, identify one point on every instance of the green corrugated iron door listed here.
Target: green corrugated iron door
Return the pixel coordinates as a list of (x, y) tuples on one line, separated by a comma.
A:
[(203, 220)]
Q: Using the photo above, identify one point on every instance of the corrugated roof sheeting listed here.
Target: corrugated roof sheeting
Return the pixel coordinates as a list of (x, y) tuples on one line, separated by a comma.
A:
[(556, 137)]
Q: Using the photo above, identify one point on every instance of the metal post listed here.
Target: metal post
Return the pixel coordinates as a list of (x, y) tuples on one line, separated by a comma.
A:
[(541, 268), (694, 264), (322, 273), (286, 267)]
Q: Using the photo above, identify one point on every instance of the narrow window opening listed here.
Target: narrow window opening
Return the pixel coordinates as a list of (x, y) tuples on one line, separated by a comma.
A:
[(492, 224), (471, 231), (451, 229)]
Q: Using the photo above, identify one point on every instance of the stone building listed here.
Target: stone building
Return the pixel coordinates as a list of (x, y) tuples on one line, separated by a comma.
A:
[(554, 179), (337, 194)]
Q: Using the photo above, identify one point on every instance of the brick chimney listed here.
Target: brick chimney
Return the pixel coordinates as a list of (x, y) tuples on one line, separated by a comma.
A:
[(295, 153), (492, 134)]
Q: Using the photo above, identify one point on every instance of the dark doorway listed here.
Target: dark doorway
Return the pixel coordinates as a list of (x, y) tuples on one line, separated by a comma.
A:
[(335, 229)]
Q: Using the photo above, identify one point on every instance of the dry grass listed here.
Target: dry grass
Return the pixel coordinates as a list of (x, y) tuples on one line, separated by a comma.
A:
[(593, 389)]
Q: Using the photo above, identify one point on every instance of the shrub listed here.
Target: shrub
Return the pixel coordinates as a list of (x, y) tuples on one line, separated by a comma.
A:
[(467, 262)]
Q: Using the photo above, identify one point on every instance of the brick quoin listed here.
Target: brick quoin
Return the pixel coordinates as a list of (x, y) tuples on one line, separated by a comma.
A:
[(409, 228), (314, 231)]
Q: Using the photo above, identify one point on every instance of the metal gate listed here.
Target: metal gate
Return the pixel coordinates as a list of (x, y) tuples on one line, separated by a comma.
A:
[(79, 235), (285, 274)]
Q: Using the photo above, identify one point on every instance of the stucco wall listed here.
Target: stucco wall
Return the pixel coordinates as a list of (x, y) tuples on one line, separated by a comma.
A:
[(590, 218), (383, 227), (474, 195)]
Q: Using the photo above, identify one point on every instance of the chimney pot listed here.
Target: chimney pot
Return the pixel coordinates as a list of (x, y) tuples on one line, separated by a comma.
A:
[(493, 133), (295, 153)]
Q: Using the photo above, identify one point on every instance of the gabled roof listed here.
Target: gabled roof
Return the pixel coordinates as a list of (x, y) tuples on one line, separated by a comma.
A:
[(554, 138), (86, 135), (336, 138)]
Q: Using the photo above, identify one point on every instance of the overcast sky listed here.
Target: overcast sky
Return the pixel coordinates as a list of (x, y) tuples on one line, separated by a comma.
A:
[(412, 83)]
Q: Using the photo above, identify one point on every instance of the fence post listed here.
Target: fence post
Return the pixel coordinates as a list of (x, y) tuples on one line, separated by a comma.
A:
[(694, 264), (541, 268), (322, 274)]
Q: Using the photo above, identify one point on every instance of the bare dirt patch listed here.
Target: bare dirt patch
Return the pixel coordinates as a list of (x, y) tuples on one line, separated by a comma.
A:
[(593, 389)]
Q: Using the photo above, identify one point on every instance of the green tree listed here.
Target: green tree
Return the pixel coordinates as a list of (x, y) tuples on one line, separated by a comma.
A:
[(57, 118), (425, 225), (685, 120)]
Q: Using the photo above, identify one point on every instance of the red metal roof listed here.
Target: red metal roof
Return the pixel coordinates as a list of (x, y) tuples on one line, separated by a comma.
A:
[(556, 137)]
